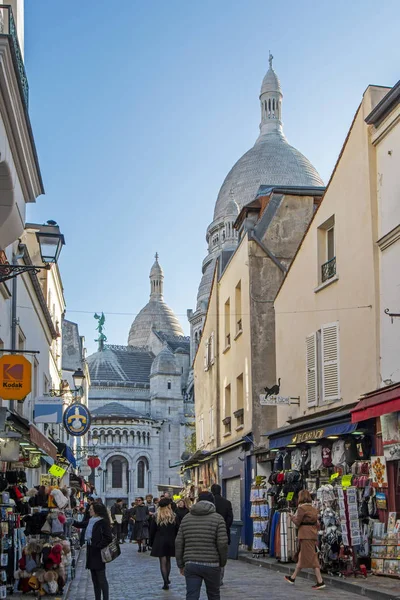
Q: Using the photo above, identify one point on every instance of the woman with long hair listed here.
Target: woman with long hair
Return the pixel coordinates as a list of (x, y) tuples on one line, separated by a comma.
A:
[(306, 521), (163, 529), (181, 509), (97, 536)]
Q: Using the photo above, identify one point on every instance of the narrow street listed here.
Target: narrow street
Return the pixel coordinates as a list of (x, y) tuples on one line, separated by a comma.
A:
[(136, 576)]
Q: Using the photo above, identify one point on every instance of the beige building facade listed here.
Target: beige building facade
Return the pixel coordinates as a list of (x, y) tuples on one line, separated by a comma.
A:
[(328, 309)]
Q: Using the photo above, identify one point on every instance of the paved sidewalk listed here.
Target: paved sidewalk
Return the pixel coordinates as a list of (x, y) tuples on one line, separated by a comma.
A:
[(135, 576), (374, 587)]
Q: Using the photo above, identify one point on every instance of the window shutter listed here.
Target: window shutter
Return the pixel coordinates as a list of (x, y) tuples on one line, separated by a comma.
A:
[(206, 356), (311, 370), (212, 351), (330, 362)]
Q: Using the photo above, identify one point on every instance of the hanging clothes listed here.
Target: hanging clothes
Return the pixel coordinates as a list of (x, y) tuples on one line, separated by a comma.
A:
[(284, 537), (274, 523)]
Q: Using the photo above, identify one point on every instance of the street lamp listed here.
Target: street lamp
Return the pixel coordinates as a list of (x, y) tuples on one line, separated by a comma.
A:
[(50, 242)]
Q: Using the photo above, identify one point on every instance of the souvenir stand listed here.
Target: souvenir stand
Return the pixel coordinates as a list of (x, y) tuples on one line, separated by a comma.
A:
[(260, 512)]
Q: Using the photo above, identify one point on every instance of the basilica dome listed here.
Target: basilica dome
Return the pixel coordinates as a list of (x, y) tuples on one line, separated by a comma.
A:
[(271, 161), (156, 315)]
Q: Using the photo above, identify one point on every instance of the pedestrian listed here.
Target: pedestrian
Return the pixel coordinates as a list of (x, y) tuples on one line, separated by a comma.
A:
[(181, 510), (140, 514), (169, 496), (130, 522), (306, 521), (201, 548), (163, 529), (116, 515), (223, 508), (125, 522), (82, 523), (98, 535)]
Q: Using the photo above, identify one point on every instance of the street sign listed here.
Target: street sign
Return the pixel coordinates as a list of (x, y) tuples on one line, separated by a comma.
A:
[(266, 400), (15, 377), (48, 409), (77, 419)]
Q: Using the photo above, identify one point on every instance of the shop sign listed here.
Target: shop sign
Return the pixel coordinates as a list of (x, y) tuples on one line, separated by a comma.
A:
[(15, 377), (77, 419), (57, 471), (266, 400), (315, 434), (48, 410), (390, 426), (42, 442), (48, 480)]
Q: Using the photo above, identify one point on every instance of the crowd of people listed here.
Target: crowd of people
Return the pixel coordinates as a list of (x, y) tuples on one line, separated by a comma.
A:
[(197, 535)]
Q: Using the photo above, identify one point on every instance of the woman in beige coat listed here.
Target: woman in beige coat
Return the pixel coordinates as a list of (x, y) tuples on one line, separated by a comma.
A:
[(306, 521)]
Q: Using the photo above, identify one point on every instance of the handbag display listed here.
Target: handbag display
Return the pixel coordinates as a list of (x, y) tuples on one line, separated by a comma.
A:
[(110, 552)]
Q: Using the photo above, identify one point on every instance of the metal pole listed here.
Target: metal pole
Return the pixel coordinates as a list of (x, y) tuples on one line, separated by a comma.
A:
[(14, 320)]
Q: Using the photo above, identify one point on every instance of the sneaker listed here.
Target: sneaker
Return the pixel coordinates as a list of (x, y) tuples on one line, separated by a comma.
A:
[(289, 579), (319, 586)]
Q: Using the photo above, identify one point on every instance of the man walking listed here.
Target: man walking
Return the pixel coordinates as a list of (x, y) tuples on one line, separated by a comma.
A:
[(223, 508), (201, 548), (117, 514)]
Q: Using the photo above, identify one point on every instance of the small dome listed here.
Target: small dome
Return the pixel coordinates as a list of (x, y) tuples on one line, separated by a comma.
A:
[(156, 270), (232, 208), (271, 83), (164, 363)]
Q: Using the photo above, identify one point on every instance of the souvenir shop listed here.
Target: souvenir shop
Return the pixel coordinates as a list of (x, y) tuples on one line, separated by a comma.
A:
[(337, 459), (380, 410), (38, 544)]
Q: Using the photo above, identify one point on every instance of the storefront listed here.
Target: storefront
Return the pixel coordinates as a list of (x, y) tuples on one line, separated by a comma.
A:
[(331, 456)]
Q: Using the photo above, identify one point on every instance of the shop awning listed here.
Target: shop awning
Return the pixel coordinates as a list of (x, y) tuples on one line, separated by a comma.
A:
[(66, 452), (316, 434), (375, 404)]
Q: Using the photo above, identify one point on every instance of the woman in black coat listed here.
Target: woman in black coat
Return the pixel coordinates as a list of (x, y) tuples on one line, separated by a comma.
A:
[(98, 535), (181, 510), (163, 529)]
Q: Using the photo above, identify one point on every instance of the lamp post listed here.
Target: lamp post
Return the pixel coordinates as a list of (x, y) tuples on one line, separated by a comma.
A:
[(78, 379), (50, 242)]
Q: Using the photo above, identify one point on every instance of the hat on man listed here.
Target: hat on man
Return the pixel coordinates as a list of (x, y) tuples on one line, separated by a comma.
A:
[(207, 497)]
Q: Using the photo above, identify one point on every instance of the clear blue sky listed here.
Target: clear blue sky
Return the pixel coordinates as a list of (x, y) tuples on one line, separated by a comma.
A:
[(139, 110)]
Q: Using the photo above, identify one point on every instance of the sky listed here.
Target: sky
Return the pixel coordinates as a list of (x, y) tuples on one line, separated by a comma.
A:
[(140, 109)]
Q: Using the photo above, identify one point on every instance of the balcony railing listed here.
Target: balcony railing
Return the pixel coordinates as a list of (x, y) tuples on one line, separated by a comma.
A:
[(8, 27), (328, 269)]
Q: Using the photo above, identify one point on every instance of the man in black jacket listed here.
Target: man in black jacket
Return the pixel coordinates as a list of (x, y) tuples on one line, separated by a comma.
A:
[(224, 508), (117, 513)]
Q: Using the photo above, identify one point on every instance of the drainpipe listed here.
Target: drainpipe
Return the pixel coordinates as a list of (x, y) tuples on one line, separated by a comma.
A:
[(14, 318)]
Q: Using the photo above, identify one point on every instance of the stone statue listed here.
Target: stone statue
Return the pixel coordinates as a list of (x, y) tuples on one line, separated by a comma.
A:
[(100, 325), (271, 58)]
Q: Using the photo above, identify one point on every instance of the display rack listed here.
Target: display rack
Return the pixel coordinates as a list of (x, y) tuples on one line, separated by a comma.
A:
[(260, 513)]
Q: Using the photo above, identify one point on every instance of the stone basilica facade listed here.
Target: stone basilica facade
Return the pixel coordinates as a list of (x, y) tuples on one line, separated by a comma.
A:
[(141, 410)]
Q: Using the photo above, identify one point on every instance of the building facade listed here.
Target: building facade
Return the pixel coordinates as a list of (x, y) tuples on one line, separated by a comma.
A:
[(139, 403), (235, 358)]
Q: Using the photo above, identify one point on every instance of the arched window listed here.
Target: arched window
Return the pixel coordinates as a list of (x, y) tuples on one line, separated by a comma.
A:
[(140, 474), (148, 438), (169, 384), (117, 474)]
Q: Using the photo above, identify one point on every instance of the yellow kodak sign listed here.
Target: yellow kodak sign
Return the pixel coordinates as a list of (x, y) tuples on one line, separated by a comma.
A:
[(15, 377)]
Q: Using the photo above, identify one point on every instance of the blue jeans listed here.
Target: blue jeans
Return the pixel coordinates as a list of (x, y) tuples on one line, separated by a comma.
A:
[(196, 574), (130, 530)]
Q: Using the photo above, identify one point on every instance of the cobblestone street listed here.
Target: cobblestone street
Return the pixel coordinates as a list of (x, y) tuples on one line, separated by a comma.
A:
[(136, 576)]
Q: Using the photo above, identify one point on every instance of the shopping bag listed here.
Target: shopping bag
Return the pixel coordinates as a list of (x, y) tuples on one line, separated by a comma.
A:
[(110, 552)]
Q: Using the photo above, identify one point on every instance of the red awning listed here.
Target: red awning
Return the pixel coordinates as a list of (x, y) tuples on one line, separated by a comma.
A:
[(376, 404)]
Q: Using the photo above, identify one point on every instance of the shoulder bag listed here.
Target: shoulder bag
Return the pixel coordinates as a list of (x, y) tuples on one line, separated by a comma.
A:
[(110, 552)]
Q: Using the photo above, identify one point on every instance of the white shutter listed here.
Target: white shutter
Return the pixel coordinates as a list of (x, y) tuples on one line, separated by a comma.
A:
[(206, 355), (330, 362), (212, 351), (311, 370)]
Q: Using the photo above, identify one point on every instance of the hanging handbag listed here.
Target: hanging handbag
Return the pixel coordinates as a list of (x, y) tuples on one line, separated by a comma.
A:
[(110, 552)]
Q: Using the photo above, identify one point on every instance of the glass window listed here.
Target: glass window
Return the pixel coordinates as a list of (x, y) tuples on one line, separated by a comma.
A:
[(117, 474)]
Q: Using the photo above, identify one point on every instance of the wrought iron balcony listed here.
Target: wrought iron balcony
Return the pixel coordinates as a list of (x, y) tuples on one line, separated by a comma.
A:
[(328, 269), (8, 28)]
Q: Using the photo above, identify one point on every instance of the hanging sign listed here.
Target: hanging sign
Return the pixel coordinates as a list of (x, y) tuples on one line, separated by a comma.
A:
[(57, 471), (266, 400), (289, 497), (15, 377), (48, 410), (77, 419)]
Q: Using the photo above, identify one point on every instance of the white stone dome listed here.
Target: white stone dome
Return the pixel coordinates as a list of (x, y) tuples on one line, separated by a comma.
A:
[(155, 315), (164, 363), (270, 83), (271, 161)]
